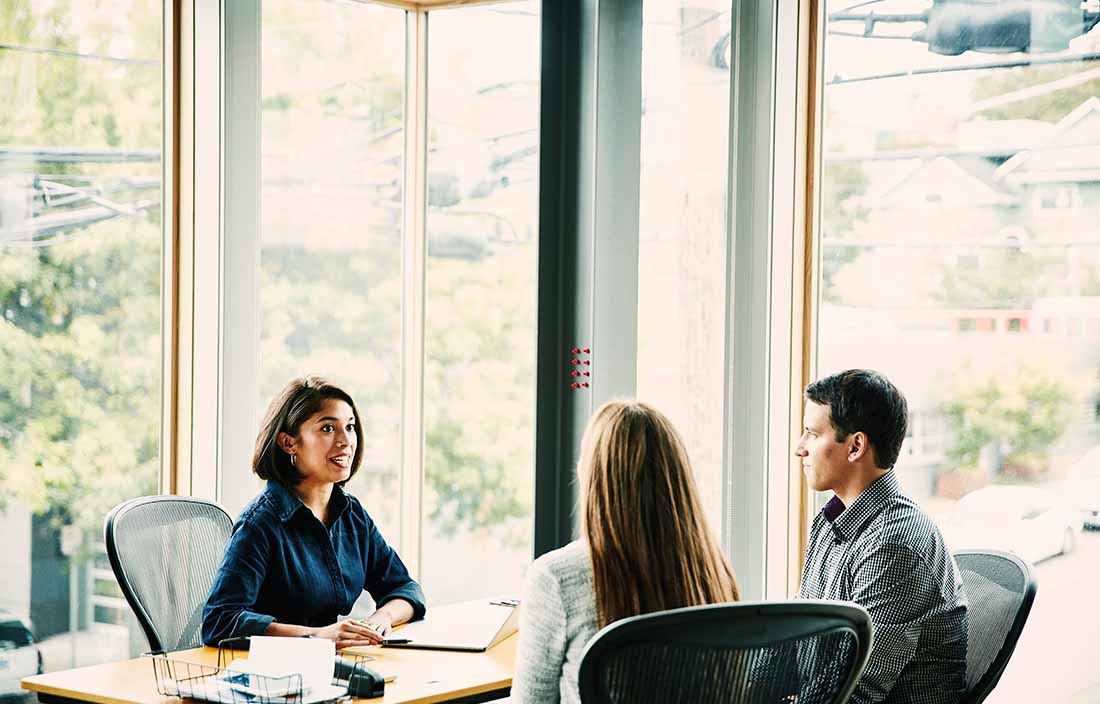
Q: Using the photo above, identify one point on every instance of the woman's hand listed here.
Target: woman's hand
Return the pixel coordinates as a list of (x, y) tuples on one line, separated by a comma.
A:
[(380, 622), (351, 632)]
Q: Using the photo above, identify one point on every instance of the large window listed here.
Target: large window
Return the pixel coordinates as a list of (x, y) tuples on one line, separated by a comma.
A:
[(393, 250), (960, 256), (80, 350), (682, 227), (482, 229), (332, 79)]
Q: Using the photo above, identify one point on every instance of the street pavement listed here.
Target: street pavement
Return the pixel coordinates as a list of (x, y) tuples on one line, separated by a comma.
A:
[(1054, 661)]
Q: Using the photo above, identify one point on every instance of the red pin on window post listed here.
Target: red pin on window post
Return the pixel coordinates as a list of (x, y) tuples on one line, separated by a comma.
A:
[(576, 354)]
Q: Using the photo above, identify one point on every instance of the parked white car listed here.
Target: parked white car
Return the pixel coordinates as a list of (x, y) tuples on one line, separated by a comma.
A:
[(1029, 521), (1084, 482), (1089, 495), (19, 656)]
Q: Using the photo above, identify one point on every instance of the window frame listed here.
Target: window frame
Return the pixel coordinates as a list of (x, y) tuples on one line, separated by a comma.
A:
[(211, 301), (774, 117), (769, 236), (771, 288), (191, 262)]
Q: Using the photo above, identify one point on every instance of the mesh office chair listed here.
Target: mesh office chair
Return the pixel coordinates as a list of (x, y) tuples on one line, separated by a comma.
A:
[(1000, 588), (744, 653), (165, 551)]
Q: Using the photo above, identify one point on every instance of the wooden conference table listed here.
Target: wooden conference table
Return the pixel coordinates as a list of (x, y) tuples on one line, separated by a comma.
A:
[(422, 677)]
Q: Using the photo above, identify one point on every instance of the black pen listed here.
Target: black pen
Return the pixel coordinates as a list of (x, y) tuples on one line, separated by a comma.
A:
[(396, 641)]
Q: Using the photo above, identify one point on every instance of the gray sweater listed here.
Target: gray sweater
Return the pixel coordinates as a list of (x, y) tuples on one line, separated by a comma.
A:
[(557, 620)]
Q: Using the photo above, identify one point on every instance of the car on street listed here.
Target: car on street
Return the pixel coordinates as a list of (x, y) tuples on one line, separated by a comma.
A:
[(1084, 481), (1030, 521), (19, 656)]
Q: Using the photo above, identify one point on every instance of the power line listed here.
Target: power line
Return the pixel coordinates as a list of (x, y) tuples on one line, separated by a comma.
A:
[(861, 4), (1083, 240), (80, 155), (985, 65), (1005, 151), (79, 55), (697, 25), (860, 35)]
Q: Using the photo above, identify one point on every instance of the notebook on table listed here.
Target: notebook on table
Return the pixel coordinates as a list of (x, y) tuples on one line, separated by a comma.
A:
[(473, 626)]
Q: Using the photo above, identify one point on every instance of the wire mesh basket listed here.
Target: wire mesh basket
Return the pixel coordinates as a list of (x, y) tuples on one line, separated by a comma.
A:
[(223, 685), (211, 683)]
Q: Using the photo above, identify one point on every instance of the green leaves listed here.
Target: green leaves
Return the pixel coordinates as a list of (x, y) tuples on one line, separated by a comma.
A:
[(1021, 411), (80, 376)]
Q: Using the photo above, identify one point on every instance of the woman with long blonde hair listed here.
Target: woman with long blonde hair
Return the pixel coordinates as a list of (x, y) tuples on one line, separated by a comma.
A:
[(645, 547)]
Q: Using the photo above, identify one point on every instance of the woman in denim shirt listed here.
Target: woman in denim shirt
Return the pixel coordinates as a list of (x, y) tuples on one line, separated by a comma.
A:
[(304, 550)]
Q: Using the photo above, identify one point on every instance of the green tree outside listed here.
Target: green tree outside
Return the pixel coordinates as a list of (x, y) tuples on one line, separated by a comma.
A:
[(1020, 412), (80, 331)]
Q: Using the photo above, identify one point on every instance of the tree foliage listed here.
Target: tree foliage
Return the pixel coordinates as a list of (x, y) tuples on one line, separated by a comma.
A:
[(1021, 412), (80, 332), (478, 387), (999, 278), (842, 209), (80, 355)]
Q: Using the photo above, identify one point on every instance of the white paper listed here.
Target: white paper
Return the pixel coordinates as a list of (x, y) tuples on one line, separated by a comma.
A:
[(312, 658)]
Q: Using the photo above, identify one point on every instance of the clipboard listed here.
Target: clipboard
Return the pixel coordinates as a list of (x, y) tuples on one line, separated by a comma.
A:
[(471, 626)]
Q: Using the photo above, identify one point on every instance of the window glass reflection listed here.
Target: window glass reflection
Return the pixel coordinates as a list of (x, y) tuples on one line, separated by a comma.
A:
[(960, 256), (332, 153), (482, 229), (80, 317), (682, 226)]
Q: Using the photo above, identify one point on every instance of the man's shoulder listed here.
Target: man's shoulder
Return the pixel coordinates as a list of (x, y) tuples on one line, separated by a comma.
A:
[(901, 525), (903, 531)]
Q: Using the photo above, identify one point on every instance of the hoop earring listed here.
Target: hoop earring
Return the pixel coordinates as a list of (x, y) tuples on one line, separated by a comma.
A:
[(293, 459)]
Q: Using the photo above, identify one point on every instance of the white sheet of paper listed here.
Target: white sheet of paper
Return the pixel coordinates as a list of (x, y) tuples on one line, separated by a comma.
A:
[(312, 658)]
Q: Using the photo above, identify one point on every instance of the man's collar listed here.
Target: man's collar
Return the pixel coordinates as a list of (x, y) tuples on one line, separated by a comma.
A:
[(287, 503), (847, 520), (833, 509)]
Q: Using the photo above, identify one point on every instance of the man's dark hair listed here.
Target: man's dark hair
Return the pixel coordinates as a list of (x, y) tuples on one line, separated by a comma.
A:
[(298, 400), (864, 400)]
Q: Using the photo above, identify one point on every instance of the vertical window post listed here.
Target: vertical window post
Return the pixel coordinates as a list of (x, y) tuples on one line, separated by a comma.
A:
[(413, 251), (240, 262), (588, 245), (761, 301)]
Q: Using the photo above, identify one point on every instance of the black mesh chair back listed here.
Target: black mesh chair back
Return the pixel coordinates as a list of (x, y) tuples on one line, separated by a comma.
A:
[(165, 551), (766, 652), (1000, 588)]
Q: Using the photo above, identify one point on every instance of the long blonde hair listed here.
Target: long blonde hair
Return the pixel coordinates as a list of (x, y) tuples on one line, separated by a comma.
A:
[(650, 543)]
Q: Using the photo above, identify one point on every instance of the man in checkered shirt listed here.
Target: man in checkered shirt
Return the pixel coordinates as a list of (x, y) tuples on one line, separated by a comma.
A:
[(873, 545)]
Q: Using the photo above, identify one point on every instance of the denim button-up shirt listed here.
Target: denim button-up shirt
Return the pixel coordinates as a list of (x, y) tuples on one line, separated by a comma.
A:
[(282, 564)]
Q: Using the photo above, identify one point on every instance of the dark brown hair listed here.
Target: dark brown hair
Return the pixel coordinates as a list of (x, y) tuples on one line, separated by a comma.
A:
[(864, 400), (298, 400), (649, 540)]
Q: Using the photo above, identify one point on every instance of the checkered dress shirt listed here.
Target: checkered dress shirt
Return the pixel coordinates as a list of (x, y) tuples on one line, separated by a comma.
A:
[(885, 554)]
